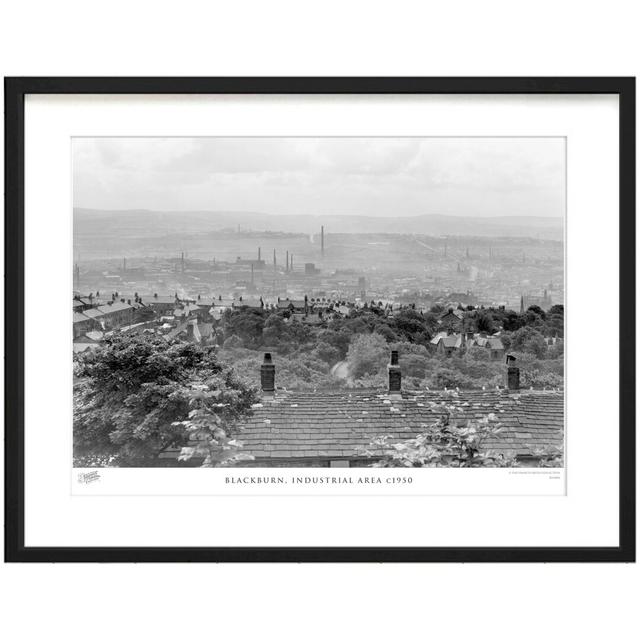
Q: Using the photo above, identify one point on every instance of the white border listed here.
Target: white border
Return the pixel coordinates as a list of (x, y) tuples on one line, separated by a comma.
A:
[(586, 516)]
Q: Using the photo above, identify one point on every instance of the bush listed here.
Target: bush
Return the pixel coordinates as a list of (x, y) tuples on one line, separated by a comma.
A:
[(232, 342), (327, 352), (414, 366), (449, 379), (367, 354)]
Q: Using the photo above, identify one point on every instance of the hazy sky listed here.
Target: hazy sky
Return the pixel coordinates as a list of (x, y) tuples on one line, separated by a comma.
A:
[(358, 176)]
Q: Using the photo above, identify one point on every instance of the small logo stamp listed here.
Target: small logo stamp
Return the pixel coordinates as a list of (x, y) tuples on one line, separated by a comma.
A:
[(88, 477)]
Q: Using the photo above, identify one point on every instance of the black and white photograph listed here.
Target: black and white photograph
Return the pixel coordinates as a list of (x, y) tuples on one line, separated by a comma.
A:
[(327, 302)]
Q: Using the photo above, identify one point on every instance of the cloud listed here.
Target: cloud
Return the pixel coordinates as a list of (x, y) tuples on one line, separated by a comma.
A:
[(373, 176)]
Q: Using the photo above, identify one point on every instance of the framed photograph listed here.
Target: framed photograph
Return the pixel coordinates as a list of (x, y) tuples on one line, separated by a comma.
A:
[(320, 319)]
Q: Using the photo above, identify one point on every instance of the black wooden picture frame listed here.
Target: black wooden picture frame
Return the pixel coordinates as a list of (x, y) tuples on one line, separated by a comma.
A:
[(15, 91)]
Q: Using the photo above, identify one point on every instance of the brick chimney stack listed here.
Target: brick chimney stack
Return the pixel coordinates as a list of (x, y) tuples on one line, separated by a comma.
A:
[(322, 240), (395, 377), (513, 374), (268, 375)]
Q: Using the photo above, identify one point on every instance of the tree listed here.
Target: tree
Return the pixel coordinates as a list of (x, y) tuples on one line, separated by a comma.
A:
[(485, 322), (247, 324), (555, 321), (415, 366), (139, 395), (275, 330), (326, 352), (367, 354), (528, 340), (534, 316), (512, 321), (412, 326)]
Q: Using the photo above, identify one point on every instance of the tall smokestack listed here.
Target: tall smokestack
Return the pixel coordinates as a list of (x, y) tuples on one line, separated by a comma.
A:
[(322, 240), (124, 264), (287, 269), (274, 259), (259, 253)]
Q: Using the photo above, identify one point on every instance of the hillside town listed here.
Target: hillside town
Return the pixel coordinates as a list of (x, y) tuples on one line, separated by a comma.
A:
[(375, 331)]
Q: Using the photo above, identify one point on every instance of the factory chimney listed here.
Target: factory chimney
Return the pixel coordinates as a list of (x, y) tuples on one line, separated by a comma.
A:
[(287, 269), (259, 253), (322, 240)]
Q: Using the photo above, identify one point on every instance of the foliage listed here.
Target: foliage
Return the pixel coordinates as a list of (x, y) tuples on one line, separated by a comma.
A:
[(246, 324), (367, 355), (137, 393), (297, 370), (446, 442), (306, 353), (485, 322), (451, 441), (529, 340)]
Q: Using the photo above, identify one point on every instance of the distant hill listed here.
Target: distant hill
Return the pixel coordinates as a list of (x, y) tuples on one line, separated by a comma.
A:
[(154, 223)]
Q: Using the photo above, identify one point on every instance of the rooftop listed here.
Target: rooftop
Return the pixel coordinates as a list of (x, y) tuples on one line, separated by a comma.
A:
[(303, 426), (116, 306)]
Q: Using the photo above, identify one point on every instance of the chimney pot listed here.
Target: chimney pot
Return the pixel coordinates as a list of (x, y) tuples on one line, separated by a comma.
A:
[(268, 375), (395, 376), (513, 374)]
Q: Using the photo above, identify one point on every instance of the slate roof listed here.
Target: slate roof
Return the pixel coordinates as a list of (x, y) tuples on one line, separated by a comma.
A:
[(247, 304), (438, 337), (286, 304), (454, 312), (93, 313), (113, 308), (185, 310), (80, 347), (331, 425), (453, 341), (79, 317), (151, 300), (91, 336)]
